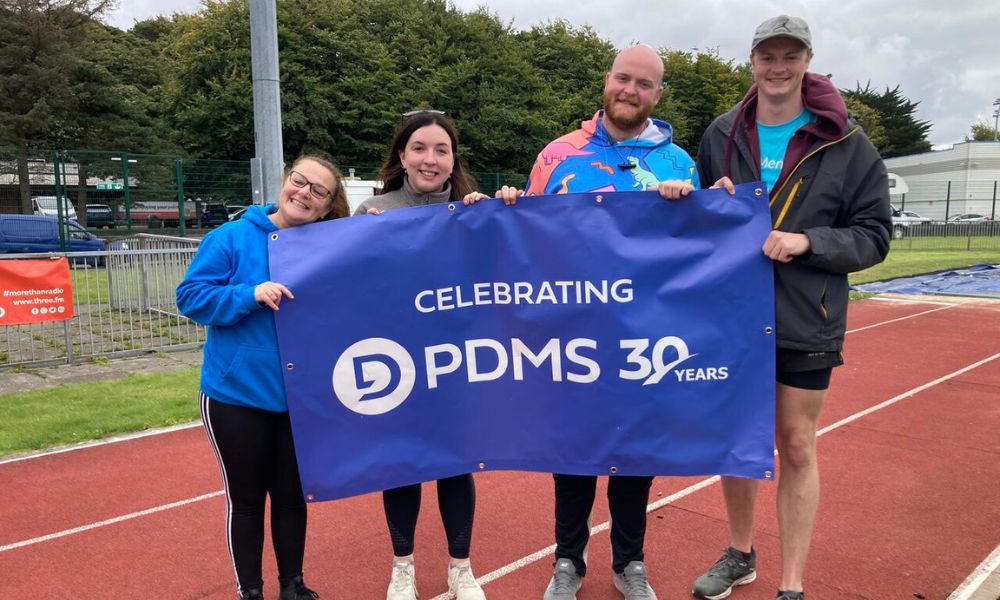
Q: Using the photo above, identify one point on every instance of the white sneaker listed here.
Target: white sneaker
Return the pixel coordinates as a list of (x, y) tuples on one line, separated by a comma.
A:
[(403, 584), (462, 584)]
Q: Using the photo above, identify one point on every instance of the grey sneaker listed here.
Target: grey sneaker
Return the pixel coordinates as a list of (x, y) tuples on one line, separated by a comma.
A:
[(730, 570), (790, 596), (565, 582), (632, 582)]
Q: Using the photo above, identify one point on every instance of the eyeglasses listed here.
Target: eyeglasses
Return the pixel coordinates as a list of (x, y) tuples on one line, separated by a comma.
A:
[(423, 111), (299, 180)]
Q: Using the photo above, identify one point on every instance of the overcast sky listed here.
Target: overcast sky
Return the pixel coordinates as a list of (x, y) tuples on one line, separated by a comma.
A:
[(945, 55)]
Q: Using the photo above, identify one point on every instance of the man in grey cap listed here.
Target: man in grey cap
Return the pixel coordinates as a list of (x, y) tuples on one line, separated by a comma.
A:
[(829, 197)]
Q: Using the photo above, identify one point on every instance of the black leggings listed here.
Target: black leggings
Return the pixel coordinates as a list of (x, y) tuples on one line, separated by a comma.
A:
[(627, 498), (257, 459), (456, 502)]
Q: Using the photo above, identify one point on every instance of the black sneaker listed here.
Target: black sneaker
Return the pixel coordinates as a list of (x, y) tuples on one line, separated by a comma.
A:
[(296, 590), (790, 596), (730, 570), (253, 593)]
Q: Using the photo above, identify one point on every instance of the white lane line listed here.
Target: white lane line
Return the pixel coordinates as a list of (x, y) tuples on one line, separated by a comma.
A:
[(919, 314), (978, 577), (110, 440), (535, 556), (119, 519), (547, 552), (911, 301)]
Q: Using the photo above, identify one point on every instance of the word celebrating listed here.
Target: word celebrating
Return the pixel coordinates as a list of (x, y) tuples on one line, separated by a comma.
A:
[(374, 376), (524, 292)]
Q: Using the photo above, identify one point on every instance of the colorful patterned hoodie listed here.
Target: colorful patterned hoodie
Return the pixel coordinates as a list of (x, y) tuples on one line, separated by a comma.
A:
[(589, 160)]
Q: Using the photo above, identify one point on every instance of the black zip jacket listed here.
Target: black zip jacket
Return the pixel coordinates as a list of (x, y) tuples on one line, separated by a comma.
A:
[(833, 188)]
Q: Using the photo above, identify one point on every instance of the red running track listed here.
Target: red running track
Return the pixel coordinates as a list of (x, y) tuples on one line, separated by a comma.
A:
[(910, 498)]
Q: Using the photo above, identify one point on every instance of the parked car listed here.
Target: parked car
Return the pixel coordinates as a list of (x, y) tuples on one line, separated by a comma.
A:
[(235, 208), (39, 233), (236, 215), (903, 219), (968, 218), (212, 214), (46, 206), (100, 215)]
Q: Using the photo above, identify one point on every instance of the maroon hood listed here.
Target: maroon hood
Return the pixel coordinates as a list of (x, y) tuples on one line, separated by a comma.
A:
[(819, 96)]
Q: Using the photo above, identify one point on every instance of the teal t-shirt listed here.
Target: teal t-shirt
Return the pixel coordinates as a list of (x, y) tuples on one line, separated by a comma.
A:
[(773, 141)]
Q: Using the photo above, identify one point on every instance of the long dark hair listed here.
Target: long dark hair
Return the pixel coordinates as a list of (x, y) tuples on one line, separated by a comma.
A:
[(392, 174), (338, 195)]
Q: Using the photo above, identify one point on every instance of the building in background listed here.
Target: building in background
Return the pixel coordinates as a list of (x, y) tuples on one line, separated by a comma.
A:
[(943, 183)]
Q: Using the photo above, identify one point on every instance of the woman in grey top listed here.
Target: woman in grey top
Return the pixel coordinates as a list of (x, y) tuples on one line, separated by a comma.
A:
[(423, 167)]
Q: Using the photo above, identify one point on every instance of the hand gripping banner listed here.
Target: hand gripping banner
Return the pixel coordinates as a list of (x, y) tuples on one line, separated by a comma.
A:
[(599, 334)]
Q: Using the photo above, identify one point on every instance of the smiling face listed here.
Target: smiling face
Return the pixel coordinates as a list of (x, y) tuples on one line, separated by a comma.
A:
[(632, 88), (428, 158), (779, 64), (305, 204)]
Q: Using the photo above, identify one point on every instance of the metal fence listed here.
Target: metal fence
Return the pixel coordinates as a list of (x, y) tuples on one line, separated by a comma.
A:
[(123, 304), (143, 191), (947, 215)]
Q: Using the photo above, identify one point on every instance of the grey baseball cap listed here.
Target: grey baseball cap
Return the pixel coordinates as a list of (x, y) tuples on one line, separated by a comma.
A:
[(783, 26)]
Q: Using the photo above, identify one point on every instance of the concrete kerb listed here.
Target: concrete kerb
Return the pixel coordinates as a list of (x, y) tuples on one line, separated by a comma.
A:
[(46, 377)]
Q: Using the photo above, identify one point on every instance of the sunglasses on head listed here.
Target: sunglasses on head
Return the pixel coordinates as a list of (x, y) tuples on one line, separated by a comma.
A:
[(423, 111)]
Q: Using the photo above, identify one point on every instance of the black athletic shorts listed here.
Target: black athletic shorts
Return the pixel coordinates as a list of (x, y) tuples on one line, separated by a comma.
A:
[(806, 370)]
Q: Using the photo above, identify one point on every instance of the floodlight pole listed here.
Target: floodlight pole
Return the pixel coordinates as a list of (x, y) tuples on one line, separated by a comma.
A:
[(266, 96), (996, 119)]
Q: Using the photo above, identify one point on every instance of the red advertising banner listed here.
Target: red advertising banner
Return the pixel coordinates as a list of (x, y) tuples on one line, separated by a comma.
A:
[(34, 291)]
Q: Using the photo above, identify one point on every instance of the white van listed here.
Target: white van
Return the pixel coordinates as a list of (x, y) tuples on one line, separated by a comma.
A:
[(46, 205), (359, 190)]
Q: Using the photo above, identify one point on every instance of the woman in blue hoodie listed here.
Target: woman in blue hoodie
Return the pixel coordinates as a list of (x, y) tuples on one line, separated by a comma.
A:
[(228, 288)]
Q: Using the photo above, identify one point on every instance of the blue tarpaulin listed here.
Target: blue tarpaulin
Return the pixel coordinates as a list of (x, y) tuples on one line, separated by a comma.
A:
[(980, 280), (611, 333)]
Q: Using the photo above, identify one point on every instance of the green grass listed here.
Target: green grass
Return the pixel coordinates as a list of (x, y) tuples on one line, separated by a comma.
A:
[(75, 413), (907, 263), (89, 285)]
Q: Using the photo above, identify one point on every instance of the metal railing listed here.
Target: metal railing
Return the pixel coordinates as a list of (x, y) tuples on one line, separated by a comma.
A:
[(940, 235), (123, 304)]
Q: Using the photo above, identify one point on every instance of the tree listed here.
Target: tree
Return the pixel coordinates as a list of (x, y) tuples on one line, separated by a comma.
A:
[(42, 44), (699, 87), (982, 132), (904, 133), (869, 120)]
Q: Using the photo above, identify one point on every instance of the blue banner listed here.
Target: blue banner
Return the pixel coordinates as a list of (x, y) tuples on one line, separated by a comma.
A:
[(599, 334)]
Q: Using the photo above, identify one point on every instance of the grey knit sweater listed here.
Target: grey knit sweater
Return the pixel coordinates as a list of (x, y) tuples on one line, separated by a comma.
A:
[(404, 197)]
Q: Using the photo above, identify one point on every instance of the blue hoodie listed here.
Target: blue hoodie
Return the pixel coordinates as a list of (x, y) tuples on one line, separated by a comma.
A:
[(241, 365)]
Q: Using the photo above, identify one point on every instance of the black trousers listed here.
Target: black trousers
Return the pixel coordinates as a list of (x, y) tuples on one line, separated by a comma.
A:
[(257, 459), (627, 500), (456, 503)]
